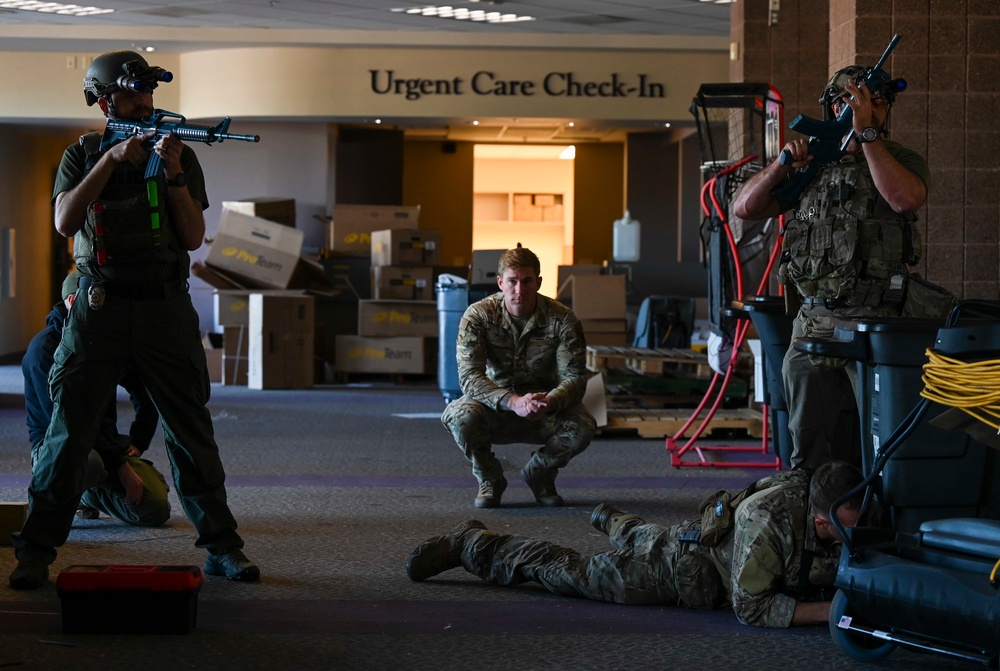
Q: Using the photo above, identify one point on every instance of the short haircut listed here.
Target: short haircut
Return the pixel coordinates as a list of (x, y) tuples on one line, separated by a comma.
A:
[(832, 481), (519, 257)]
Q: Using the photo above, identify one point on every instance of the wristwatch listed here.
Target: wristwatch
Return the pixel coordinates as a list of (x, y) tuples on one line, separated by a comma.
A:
[(180, 179), (869, 134)]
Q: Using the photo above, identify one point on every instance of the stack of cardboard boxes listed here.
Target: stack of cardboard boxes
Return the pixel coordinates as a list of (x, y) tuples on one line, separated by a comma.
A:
[(268, 327), (598, 301), (397, 327)]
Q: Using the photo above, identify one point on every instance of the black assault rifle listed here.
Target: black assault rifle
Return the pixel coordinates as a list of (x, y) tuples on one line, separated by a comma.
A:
[(159, 122), (828, 140)]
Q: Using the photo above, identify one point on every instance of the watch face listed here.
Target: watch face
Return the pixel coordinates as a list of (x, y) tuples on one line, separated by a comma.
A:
[(869, 134)]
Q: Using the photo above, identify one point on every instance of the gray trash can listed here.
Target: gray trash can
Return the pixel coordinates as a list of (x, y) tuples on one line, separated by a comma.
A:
[(452, 300)]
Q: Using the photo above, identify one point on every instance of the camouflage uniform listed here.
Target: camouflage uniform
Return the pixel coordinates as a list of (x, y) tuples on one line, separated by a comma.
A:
[(759, 567), (495, 359), (846, 253)]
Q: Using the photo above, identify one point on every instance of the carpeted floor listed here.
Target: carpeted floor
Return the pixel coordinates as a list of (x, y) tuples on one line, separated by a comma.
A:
[(333, 487)]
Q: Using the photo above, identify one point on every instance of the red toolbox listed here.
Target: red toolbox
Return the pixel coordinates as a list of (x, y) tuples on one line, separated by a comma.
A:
[(129, 599)]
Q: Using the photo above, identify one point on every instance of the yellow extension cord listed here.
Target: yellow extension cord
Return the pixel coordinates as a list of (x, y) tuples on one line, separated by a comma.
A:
[(972, 387)]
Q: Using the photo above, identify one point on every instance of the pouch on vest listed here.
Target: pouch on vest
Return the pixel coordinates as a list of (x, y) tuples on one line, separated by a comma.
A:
[(716, 518), (924, 299), (118, 230)]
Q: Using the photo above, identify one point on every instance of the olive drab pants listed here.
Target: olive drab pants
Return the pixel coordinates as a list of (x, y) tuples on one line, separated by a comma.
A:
[(648, 564), (160, 339), (477, 428), (822, 409), (104, 491), (109, 497)]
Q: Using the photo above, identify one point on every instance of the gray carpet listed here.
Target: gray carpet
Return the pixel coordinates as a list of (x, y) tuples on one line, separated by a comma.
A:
[(333, 487)]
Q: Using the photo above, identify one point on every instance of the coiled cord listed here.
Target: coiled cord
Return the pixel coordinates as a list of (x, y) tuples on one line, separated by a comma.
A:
[(973, 387)]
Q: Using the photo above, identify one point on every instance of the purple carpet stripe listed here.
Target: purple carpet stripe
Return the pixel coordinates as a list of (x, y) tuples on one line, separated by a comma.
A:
[(452, 482), (548, 616)]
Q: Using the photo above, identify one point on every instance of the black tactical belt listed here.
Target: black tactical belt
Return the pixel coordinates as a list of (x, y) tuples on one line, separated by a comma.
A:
[(158, 291), (828, 303)]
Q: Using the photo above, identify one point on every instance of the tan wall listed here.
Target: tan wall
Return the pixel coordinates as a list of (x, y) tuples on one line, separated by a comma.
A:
[(25, 193), (599, 199), (441, 184)]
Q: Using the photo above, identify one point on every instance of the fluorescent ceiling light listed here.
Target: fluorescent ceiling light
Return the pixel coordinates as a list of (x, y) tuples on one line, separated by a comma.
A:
[(462, 14), (568, 153), (53, 8)]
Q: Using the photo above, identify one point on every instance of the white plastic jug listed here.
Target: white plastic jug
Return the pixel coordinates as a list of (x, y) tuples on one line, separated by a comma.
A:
[(626, 239)]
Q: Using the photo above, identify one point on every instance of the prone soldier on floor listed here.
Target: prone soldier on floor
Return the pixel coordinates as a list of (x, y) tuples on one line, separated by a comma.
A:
[(772, 556)]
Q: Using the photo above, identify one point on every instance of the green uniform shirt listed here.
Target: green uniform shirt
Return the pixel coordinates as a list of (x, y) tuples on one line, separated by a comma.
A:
[(128, 181), (777, 558), (496, 358)]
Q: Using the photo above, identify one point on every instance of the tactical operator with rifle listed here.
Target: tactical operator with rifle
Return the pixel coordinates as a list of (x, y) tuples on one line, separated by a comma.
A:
[(772, 554), (846, 249), (131, 244)]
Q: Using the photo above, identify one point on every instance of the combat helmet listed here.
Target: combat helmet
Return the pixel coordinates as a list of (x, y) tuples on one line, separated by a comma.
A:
[(836, 88), (121, 71)]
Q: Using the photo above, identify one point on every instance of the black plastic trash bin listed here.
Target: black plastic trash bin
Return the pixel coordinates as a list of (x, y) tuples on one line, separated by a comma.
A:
[(774, 329)]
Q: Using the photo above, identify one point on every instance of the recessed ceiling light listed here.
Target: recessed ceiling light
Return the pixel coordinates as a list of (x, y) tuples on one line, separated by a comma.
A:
[(462, 14), (53, 8)]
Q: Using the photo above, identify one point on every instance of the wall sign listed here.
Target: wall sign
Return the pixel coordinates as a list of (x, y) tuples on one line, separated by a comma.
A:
[(487, 83)]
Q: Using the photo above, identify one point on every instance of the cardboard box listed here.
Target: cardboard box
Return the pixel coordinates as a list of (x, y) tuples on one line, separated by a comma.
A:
[(349, 276), (349, 231), (282, 339), (12, 516), (213, 359), (607, 339), (407, 355), (397, 318), (235, 353), (484, 266), (260, 253), (604, 325), (565, 272), (232, 306), (406, 283), (278, 210), (406, 247), (333, 317), (595, 296)]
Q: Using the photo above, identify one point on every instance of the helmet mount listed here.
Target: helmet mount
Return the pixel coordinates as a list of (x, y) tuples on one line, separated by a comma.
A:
[(121, 71)]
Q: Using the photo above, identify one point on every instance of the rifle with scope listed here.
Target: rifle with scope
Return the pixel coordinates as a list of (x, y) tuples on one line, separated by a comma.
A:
[(828, 140)]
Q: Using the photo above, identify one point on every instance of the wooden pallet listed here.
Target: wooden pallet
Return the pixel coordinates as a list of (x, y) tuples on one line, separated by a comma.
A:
[(660, 423), (648, 361)]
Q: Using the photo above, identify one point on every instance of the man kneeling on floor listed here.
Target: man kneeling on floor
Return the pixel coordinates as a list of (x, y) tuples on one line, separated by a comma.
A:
[(775, 563), (522, 367)]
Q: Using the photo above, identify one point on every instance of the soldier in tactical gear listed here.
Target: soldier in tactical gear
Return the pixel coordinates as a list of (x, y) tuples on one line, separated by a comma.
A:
[(846, 252), (131, 244), (775, 563), (522, 368)]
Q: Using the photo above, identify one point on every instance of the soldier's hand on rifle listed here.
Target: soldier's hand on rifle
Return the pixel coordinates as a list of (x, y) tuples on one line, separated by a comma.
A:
[(169, 148), (131, 150), (799, 150)]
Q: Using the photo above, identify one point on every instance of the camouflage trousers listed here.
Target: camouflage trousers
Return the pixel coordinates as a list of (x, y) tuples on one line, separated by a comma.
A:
[(476, 428), (648, 564)]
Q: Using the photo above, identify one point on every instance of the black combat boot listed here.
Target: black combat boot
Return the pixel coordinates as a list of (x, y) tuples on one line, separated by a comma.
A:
[(542, 482)]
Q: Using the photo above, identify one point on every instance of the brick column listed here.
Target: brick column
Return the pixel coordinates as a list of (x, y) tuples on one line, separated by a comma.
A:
[(950, 112)]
